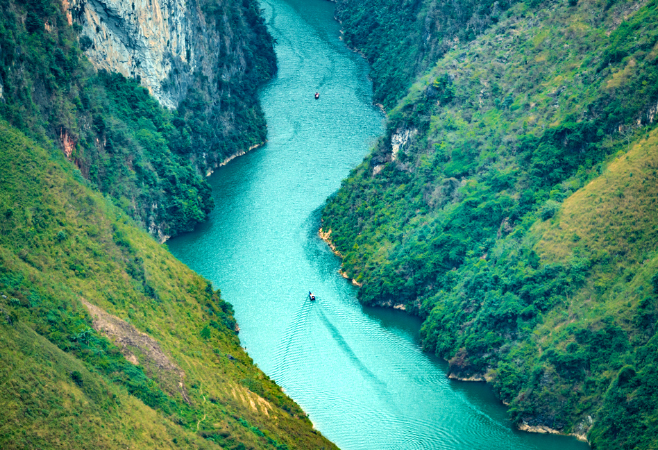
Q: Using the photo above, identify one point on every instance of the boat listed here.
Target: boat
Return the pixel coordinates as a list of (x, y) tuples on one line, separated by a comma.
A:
[(311, 297), (317, 95)]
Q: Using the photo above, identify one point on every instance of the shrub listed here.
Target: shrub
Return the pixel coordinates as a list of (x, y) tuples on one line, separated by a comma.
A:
[(77, 378), (85, 43), (33, 23), (550, 208)]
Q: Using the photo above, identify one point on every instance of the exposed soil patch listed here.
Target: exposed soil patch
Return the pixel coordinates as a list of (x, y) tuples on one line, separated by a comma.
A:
[(138, 348)]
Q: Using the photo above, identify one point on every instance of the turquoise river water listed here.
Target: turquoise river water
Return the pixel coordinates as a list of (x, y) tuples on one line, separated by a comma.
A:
[(358, 372)]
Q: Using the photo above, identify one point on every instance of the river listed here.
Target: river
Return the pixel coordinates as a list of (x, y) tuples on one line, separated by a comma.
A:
[(358, 372)]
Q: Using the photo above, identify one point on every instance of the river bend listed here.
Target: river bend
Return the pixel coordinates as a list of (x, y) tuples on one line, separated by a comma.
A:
[(358, 372)]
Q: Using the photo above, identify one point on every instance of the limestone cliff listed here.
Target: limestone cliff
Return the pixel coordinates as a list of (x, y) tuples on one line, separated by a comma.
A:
[(160, 42), (72, 72), (205, 57)]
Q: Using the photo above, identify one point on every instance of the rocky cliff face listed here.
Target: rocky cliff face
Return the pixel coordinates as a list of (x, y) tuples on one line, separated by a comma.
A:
[(206, 58), (160, 42), (203, 60)]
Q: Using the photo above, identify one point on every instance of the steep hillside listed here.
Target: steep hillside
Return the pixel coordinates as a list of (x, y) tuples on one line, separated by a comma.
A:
[(403, 39), (205, 58), (510, 204), (106, 340)]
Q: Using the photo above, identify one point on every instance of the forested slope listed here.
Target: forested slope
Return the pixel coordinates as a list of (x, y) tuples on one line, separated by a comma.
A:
[(149, 159), (108, 341), (402, 39), (511, 204)]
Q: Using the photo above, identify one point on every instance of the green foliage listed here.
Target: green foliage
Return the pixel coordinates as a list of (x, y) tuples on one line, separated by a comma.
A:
[(52, 400), (60, 366), (77, 378), (403, 39), (150, 160), (632, 394), (550, 208), (514, 217), (654, 283)]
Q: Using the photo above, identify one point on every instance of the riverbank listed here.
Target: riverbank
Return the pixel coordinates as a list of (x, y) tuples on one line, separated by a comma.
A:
[(232, 157), (326, 237), (540, 429)]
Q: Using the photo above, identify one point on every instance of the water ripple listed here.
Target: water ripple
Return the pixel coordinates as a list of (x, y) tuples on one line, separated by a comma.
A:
[(358, 372)]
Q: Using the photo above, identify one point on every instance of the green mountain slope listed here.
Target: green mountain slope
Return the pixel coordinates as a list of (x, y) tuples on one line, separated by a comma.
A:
[(106, 340), (510, 204), (402, 39), (150, 160)]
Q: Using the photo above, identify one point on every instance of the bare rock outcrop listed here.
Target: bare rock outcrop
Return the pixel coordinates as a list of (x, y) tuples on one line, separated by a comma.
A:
[(399, 139), (160, 42)]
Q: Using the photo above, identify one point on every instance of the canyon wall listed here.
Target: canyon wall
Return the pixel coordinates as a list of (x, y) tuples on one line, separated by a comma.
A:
[(78, 73), (205, 58), (162, 43)]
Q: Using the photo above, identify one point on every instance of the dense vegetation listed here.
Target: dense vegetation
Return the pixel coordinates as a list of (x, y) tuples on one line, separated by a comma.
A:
[(218, 120), (150, 160), (106, 340), (511, 204), (164, 370), (402, 39)]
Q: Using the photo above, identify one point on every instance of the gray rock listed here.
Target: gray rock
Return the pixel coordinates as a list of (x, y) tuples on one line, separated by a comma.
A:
[(160, 42)]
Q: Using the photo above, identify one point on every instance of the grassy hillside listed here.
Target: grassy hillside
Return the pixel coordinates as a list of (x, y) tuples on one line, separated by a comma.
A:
[(602, 337), (108, 341), (510, 204), (150, 160)]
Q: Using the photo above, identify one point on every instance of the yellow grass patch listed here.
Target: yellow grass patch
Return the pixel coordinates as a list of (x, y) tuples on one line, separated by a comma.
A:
[(613, 212), (620, 78)]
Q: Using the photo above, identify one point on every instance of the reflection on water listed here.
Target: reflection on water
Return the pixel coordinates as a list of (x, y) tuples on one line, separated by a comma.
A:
[(359, 372)]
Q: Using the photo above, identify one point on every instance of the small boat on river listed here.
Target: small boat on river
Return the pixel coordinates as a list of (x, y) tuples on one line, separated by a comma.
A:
[(317, 95), (311, 297)]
